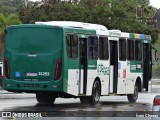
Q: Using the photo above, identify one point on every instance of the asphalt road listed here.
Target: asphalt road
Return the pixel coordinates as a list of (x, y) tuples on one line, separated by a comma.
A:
[(108, 103), (111, 106)]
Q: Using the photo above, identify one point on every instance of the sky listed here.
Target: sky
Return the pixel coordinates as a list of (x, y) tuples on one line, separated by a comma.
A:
[(155, 3)]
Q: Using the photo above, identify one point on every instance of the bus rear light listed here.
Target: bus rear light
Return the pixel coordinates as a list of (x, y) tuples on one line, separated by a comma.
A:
[(156, 101), (7, 73), (0, 77), (58, 70)]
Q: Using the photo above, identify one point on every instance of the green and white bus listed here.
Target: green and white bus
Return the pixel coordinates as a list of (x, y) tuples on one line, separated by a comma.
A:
[(75, 60)]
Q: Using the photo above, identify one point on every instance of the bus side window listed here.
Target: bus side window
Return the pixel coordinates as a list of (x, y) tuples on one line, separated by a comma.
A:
[(103, 48), (138, 50), (122, 49), (93, 47), (72, 45), (130, 49)]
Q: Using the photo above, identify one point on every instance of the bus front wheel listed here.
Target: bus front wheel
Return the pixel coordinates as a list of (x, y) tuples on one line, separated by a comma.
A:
[(94, 98), (45, 98), (133, 97)]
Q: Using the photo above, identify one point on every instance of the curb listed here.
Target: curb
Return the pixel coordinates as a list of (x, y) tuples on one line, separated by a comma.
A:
[(11, 95)]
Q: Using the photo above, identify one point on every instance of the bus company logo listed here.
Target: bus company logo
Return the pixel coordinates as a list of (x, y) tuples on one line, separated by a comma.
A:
[(103, 70), (15, 115), (6, 114)]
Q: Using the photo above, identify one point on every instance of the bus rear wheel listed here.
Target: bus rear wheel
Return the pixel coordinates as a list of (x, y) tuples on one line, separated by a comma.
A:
[(95, 97), (133, 97), (45, 98)]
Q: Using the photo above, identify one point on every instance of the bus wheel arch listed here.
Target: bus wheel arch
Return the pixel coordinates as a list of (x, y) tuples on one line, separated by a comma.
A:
[(95, 94), (98, 79), (45, 98), (139, 83), (137, 87), (96, 91)]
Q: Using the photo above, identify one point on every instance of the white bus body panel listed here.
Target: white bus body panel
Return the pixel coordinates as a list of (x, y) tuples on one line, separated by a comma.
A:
[(113, 38), (81, 82), (73, 81), (130, 80), (111, 79), (121, 77), (74, 24), (103, 33), (125, 35), (91, 75)]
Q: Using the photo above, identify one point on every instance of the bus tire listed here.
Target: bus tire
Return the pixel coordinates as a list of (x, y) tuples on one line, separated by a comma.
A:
[(96, 93), (45, 98), (95, 97), (132, 98)]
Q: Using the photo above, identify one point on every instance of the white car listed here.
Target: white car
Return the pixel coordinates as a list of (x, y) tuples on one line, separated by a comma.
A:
[(156, 107), (156, 103)]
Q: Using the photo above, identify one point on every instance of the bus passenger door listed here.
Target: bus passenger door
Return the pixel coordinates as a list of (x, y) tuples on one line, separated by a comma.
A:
[(83, 66), (113, 66), (123, 65), (147, 70)]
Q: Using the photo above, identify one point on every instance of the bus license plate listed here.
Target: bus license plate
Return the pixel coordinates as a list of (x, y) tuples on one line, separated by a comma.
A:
[(31, 74)]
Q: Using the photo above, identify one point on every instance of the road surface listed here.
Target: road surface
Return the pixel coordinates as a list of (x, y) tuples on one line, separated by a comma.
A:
[(108, 106)]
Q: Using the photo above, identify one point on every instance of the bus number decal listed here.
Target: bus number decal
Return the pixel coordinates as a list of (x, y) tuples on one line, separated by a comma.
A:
[(43, 73)]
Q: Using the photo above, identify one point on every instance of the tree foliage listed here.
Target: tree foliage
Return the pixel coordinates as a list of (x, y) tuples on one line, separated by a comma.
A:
[(114, 14), (158, 18), (8, 7), (8, 16), (2, 21), (12, 19)]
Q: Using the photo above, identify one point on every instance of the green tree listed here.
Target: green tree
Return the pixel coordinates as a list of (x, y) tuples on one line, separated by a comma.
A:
[(8, 7), (114, 14), (12, 19), (2, 21), (158, 18)]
